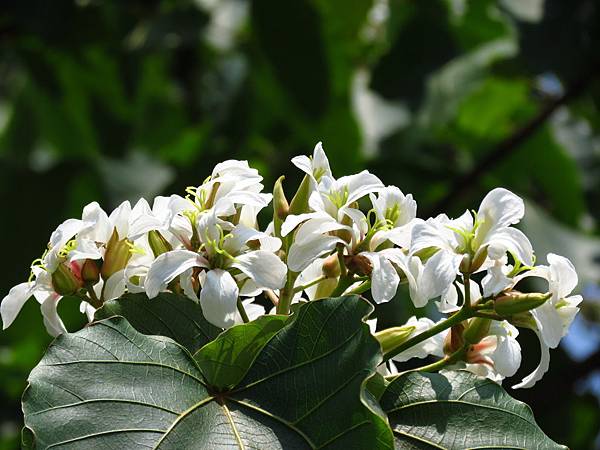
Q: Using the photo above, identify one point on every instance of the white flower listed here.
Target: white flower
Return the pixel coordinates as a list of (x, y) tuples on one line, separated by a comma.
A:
[(553, 318), (332, 204), (497, 355), (425, 280), (316, 167), (41, 285), (449, 300), (395, 212), (492, 230), (224, 249)]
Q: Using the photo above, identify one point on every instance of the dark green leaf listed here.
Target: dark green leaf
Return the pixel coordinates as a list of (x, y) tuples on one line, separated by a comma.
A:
[(225, 361), (108, 385), (284, 31), (174, 316), (456, 409)]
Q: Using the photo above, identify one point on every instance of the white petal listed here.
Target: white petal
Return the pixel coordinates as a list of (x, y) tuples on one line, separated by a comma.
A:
[(540, 370), (292, 221), (54, 325), (65, 232), (432, 346), (115, 286), (86, 249), (495, 281), (435, 277), (449, 301), (168, 266), (429, 234), (549, 324), (501, 207), (119, 219), (314, 228), (100, 228), (563, 277), (320, 162), (11, 304), (263, 267), (300, 256), (253, 310), (384, 278), (303, 163), (218, 298), (512, 240), (186, 284), (360, 185), (507, 356), (88, 310)]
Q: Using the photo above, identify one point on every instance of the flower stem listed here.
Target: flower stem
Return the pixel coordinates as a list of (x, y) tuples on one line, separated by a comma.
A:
[(242, 310), (360, 289), (448, 360), (344, 283), (307, 285), (286, 294), (93, 298), (467, 283), (458, 317)]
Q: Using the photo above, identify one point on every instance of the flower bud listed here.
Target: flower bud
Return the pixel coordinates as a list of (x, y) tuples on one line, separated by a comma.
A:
[(479, 258), (325, 288), (116, 257), (331, 266), (280, 204), (454, 339), (158, 243), (393, 337), (465, 264), (90, 272), (515, 302), (478, 329), (359, 264), (299, 203), (64, 281)]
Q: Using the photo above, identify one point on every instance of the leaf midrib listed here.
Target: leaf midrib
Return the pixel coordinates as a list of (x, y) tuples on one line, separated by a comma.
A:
[(460, 402)]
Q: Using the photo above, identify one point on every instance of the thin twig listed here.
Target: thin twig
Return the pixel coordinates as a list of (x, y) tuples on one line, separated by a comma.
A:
[(512, 143)]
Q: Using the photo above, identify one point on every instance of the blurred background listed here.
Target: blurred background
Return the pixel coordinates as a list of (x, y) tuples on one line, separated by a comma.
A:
[(113, 100)]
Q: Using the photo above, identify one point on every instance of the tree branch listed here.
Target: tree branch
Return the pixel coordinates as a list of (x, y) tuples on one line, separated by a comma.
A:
[(510, 144)]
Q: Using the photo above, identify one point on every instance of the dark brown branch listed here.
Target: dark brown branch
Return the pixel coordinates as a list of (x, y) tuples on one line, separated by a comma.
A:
[(512, 143)]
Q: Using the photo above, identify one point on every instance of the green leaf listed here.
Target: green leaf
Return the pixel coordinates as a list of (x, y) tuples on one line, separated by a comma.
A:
[(456, 409), (110, 386), (226, 360), (174, 316)]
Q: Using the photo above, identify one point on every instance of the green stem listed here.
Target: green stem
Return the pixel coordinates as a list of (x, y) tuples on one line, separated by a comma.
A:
[(488, 315), (242, 310), (360, 289), (93, 298), (448, 360), (467, 283), (458, 317), (286, 294), (307, 285), (344, 283)]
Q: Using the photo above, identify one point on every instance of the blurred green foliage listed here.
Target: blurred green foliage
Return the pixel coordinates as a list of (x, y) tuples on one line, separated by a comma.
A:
[(106, 100)]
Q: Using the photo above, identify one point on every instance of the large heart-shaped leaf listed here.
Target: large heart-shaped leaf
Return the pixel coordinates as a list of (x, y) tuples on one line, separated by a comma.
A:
[(174, 316), (110, 386), (456, 409)]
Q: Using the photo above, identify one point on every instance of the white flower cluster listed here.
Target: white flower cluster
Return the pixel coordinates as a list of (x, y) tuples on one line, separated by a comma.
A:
[(208, 247)]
